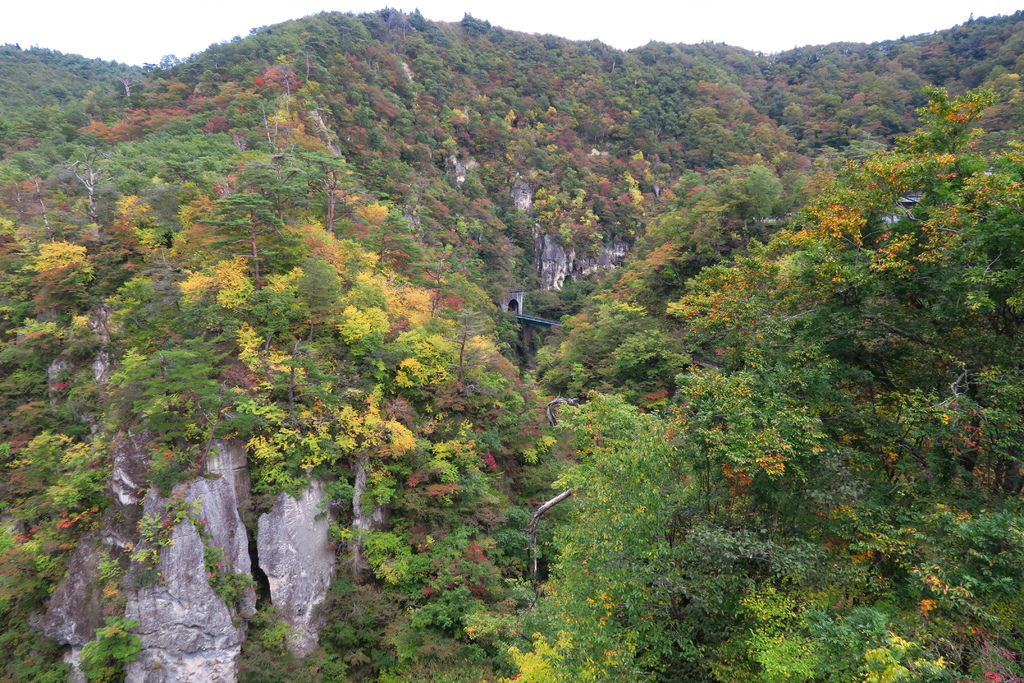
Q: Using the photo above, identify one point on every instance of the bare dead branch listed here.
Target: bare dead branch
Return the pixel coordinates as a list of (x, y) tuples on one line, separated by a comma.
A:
[(957, 387), (558, 401), (532, 529), (89, 174)]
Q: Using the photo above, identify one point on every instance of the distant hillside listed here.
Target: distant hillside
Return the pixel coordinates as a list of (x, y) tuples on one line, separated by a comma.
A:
[(446, 119), (38, 77), (543, 157)]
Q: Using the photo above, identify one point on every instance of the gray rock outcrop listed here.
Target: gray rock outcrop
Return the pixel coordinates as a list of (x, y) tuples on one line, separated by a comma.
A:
[(188, 632), (459, 170), (227, 460), (556, 262), (608, 256), (130, 464), (57, 374), (328, 138), (74, 660), (362, 520), (99, 323), (522, 195), (75, 609), (296, 556), (553, 260)]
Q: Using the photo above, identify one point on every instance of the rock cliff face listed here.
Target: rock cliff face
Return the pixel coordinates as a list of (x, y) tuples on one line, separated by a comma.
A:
[(329, 138), (128, 476), (459, 170), (522, 195), (295, 554), (56, 374), (408, 72), (362, 520), (227, 461), (186, 629), (99, 323), (609, 255), (75, 609), (555, 262), (188, 632)]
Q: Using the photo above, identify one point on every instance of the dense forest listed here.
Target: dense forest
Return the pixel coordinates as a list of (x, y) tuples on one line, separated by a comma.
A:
[(264, 415)]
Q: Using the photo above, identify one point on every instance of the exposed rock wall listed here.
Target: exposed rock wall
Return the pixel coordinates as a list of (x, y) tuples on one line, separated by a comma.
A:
[(522, 195), (227, 460), (459, 170), (608, 256), (57, 374), (75, 610), (76, 607), (99, 323), (555, 262), (296, 556), (188, 632), (328, 138), (130, 464), (363, 521)]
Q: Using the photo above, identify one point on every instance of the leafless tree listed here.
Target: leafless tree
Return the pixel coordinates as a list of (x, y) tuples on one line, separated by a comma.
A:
[(38, 198), (90, 173), (127, 81)]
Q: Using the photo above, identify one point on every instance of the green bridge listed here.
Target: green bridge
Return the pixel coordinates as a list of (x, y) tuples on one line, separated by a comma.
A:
[(537, 322)]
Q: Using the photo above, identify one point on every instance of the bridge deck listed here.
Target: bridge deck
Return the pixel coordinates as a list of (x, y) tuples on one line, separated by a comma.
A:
[(539, 322)]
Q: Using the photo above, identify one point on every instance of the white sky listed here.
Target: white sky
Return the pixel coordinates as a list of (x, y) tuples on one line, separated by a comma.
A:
[(137, 32)]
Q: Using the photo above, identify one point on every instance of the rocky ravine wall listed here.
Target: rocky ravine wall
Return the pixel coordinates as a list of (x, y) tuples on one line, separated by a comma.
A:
[(75, 609), (296, 555), (555, 261), (188, 632)]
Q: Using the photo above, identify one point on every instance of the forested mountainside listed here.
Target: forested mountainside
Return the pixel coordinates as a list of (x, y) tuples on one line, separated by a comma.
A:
[(36, 83), (263, 419)]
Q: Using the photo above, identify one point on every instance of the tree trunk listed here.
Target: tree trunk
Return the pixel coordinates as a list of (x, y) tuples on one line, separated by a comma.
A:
[(532, 529)]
